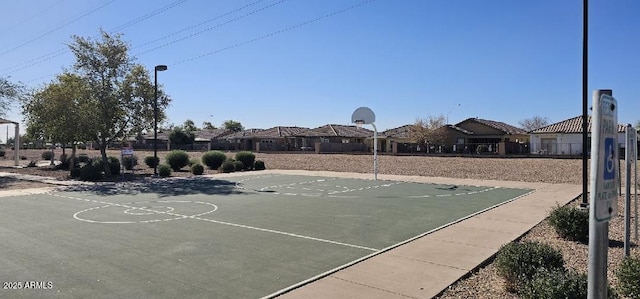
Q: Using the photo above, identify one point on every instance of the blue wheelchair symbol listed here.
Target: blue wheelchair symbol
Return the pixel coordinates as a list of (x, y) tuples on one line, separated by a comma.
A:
[(609, 159)]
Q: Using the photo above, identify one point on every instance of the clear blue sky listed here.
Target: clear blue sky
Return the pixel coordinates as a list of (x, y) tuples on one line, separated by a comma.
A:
[(502, 60)]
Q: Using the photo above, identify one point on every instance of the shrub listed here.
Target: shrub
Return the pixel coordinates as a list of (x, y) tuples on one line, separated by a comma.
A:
[(227, 166), (90, 173), (570, 223), (247, 158), (129, 162), (177, 159), (556, 283), (151, 161), (197, 169), (238, 165), (629, 277), (2, 153), (23, 157), (75, 172), (114, 164), (259, 165), (213, 159), (164, 170), (31, 164), (66, 162), (47, 156), (193, 162), (83, 158), (518, 262)]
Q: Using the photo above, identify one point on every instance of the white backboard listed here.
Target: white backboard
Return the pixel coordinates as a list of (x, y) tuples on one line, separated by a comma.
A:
[(363, 115)]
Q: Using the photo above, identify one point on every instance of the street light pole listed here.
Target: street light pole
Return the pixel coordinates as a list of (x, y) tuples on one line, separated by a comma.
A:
[(158, 68)]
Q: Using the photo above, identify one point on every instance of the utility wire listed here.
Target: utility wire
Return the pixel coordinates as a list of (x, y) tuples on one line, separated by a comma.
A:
[(61, 51), (199, 24), (275, 32), (30, 17), (211, 28), (57, 28)]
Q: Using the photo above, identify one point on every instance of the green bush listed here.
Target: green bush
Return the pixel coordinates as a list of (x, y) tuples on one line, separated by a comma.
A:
[(629, 277), (556, 283), (151, 161), (197, 169), (518, 262), (66, 162), (90, 173), (238, 165), (31, 164), (214, 159), (177, 159), (75, 172), (83, 158), (247, 158), (2, 153), (164, 170), (227, 166), (193, 162), (259, 165), (129, 162), (48, 155), (570, 223), (113, 162)]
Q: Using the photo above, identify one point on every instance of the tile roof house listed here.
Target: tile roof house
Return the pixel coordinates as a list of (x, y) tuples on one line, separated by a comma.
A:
[(565, 137), (279, 138), (336, 138)]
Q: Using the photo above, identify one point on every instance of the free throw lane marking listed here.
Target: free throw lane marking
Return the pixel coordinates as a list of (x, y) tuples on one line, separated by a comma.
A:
[(197, 217)]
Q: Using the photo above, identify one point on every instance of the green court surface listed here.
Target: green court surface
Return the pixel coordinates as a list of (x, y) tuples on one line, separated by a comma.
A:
[(240, 237)]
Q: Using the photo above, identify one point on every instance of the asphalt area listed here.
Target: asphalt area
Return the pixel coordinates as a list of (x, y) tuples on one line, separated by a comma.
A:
[(240, 237)]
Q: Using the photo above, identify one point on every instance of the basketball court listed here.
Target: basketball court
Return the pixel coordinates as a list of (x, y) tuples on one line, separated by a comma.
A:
[(246, 235)]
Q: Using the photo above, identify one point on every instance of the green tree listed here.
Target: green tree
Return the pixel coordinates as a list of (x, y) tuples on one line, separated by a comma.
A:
[(233, 125), (122, 94), (208, 125), (189, 126), (180, 136), (9, 92), (55, 112)]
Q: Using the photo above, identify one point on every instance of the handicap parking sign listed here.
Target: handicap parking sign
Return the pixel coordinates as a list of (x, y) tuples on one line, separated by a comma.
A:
[(609, 160)]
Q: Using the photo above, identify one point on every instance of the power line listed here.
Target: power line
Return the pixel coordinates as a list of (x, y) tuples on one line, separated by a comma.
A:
[(149, 15), (211, 28), (275, 32), (30, 17), (199, 24), (61, 51), (57, 28)]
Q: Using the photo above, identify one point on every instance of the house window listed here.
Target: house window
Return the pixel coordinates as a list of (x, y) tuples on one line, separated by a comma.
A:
[(460, 141), (344, 140)]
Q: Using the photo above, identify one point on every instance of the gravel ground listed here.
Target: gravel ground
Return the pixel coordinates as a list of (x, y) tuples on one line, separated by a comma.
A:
[(483, 283)]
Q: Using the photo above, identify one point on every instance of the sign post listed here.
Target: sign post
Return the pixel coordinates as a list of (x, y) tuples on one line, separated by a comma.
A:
[(126, 152), (630, 158), (603, 195)]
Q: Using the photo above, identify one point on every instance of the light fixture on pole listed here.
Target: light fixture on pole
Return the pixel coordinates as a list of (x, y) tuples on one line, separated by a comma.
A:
[(364, 115), (158, 68), (454, 108)]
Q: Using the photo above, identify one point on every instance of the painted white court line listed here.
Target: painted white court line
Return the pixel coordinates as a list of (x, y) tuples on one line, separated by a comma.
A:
[(381, 251), (197, 217)]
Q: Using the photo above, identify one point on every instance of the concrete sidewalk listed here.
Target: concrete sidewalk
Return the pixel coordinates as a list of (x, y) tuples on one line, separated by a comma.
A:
[(424, 267)]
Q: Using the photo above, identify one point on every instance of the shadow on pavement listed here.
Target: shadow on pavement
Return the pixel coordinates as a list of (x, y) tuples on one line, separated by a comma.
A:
[(163, 187)]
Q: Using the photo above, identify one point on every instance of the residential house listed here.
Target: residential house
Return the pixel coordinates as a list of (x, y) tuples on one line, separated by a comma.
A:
[(490, 135), (242, 140), (565, 137), (211, 139), (336, 138), (279, 139)]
